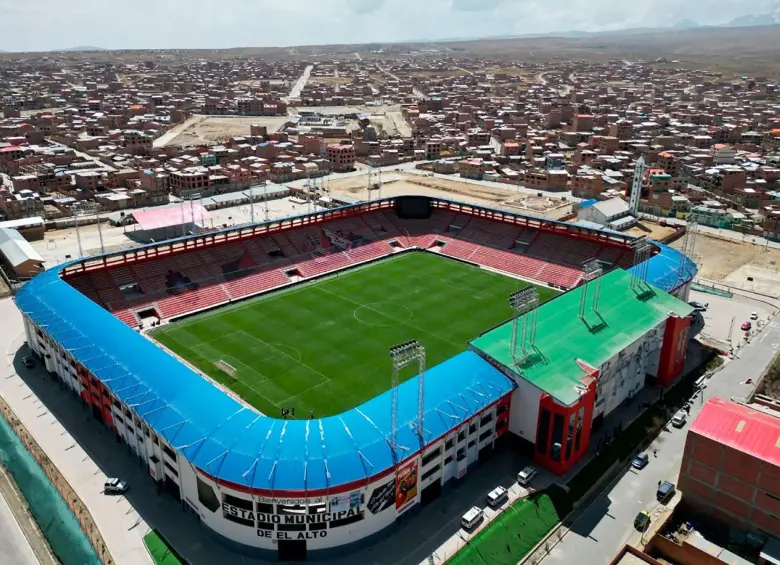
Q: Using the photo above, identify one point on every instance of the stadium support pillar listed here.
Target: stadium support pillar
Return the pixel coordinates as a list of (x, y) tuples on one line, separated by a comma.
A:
[(673, 350), (563, 432)]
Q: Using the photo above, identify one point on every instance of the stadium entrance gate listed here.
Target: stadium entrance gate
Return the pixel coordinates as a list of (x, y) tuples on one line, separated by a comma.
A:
[(292, 550)]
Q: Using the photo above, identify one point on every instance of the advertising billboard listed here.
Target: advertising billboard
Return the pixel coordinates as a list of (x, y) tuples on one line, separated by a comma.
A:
[(406, 486)]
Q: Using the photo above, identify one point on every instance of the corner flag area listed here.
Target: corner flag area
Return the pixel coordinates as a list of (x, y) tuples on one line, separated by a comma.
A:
[(324, 346)]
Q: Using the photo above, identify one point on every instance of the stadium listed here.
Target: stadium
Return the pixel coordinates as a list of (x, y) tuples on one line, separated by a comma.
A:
[(300, 384)]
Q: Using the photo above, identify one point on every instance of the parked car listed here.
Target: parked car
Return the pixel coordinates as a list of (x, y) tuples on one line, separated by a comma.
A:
[(746, 326), (642, 520), (640, 461), (29, 362), (526, 475), (497, 496), (754, 315), (115, 486), (665, 492), (472, 518), (678, 420)]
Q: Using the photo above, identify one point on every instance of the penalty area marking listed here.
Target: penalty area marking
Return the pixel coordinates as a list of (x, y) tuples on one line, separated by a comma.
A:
[(287, 349), (378, 309)]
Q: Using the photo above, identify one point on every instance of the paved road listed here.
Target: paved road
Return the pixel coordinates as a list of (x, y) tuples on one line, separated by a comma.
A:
[(14, 547), (298, 86), (608, 523)]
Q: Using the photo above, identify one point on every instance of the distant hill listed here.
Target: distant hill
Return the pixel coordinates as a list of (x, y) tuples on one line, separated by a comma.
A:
[(85, 49), (768, 19)]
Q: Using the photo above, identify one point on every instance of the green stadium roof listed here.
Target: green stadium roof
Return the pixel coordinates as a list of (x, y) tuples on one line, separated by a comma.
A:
[(562, 338)]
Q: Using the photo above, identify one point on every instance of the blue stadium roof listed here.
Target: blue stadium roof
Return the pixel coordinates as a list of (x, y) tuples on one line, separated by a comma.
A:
[(232, 442), (668, 269)]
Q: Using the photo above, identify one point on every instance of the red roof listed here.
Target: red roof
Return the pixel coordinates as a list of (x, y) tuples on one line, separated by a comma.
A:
[(9, 149), (744, 429), (168, 216)]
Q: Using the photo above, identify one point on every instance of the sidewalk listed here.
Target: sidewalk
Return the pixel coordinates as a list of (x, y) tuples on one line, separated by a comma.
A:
[(118, 522), (516, 492)]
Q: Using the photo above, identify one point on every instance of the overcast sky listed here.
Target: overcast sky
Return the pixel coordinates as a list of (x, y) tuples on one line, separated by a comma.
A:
[(157, 24)]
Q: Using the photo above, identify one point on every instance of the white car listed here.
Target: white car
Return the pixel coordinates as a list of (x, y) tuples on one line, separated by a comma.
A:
[(115, 486), (754, 315), (526, 475), (679, 419)]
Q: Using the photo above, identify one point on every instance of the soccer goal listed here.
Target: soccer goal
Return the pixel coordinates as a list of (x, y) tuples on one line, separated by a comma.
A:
[(225, 367)]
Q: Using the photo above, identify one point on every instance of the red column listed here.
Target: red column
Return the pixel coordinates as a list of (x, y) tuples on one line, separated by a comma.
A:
[(673, 350), (582, 412)]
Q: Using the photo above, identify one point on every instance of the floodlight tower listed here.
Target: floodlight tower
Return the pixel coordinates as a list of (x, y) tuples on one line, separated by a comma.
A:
[(642, 252), (190, 195), (524, 302), (591, 271), (83, 209), (252, 203), (689, 245), (403, 355)]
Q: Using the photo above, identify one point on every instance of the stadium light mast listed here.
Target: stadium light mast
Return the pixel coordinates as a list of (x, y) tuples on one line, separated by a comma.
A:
[(688, 246), (642, 250), (524, 302), (403, 355), (591, 271), (81, 210), (252, 203), (190, 195)]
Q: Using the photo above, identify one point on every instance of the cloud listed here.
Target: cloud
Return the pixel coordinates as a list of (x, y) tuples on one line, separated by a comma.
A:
[(361, 7), (162, 24), (474, 5)]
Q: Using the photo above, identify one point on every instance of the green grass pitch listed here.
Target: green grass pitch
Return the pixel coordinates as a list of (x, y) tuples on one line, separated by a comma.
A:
[(323, 346)]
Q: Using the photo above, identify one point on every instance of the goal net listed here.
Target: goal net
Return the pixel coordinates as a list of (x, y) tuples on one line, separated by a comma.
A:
[(225, 367)]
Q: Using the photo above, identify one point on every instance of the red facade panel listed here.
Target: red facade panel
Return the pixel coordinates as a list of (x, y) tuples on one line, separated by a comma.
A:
[(702, 492), (735, 487), (732, 505), (768, 482), (702, 473)]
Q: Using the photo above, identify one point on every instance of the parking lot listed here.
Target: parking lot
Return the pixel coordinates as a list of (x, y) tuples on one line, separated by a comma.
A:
[(724, 317)]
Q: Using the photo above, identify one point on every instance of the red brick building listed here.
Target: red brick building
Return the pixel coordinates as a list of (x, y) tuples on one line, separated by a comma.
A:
[(731, 466), (342, 157)]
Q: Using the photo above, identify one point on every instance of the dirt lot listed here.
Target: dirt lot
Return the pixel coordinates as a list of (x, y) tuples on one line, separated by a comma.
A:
[(393, 123), (651, 230), (217, 129), (739, 265), (395, 184)]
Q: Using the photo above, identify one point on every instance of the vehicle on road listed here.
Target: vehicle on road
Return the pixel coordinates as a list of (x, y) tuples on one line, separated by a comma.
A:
[(497, 496), (679, 419), (754, 315), (642, 520), (471, 518), (640, 461), (115, 486), (698, 306), (746, 326), (526, 475), (665, 492), (28, 362)]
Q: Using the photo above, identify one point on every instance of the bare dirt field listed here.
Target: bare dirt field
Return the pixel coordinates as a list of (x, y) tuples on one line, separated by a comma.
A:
[(736, 263), (392, 123), (396, 184), (332, 81), (651, 230), (199, 130)]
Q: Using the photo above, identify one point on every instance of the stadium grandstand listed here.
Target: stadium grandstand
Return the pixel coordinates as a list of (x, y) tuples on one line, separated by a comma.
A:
[(251, 319)]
